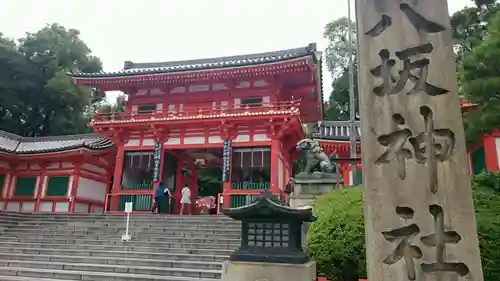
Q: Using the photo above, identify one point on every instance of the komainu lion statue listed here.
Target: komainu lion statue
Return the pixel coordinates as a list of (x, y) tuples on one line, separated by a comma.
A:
[(316, 158)]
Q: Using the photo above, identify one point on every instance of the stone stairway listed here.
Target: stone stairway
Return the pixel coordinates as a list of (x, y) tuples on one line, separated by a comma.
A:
[(49, 247)]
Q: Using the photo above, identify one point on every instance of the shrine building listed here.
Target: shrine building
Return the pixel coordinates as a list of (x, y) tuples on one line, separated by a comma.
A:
[(240, 115), (55, 174)]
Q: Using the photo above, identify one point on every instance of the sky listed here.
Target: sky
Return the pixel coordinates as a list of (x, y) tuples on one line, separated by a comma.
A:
[(166, 30)]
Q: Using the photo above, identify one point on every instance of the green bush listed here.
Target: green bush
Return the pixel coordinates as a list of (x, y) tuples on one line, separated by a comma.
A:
[(487, 179), (337, 243), (336, 239)]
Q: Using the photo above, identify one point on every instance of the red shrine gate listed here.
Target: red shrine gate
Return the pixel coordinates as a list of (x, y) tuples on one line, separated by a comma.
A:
[(255, 104)]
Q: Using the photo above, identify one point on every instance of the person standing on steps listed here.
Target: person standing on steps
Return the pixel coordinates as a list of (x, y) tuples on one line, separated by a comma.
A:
[(162, 197), (186, 200)]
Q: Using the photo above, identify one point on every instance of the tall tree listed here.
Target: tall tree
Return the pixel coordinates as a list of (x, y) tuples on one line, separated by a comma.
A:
[(42, 100), (337, 61), (480, 78), (470, 25)]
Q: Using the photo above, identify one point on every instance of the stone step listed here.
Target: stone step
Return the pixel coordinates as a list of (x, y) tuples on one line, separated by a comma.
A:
[(117, 236), (118, 233), (124, 248), (206, 256), (113, 260), (116, 241), (63, 217), (147, 270), (233, 231), (88, 275), (191, 220), (19, 278)]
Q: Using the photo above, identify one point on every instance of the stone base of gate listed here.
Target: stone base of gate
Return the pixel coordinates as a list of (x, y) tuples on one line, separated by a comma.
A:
[(262, 271)]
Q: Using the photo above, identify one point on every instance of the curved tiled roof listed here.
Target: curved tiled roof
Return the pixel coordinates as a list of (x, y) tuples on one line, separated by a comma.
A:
[(15, 144), (337, 130), (131, 68)]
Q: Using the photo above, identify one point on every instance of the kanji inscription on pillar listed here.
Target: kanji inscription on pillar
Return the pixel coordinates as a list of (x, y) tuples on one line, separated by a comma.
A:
[(419, 213)]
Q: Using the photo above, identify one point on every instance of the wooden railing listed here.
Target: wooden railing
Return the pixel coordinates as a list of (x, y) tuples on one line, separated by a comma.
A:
[(187, 112)]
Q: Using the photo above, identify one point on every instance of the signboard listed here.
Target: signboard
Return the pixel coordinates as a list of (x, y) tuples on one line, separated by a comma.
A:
[(128, 207), (157, 161), (226, 160)]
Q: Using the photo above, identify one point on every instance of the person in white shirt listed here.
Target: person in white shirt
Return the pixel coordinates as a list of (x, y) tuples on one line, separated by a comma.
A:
[(186, 200)]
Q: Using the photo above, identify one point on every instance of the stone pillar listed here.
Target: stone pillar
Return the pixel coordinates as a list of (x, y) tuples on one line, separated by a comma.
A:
[(420, 221)]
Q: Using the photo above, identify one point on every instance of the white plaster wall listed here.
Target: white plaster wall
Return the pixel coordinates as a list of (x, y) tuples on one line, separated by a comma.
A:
[(173, 141), (22, 167), (97, 210), (194, 140), (261, 137), (237, 103), (34, 167), (148, 142), (28, 207), (81, 208), (62, 207), (135, 142), (67, 165), (46, 206), (13, 206), (91, 189), (242, 138), (4, 164), (266, 101), (214, 139), (94, 168)]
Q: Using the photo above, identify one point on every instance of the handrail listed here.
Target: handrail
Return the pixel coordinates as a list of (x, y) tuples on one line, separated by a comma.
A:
[(201, 112)]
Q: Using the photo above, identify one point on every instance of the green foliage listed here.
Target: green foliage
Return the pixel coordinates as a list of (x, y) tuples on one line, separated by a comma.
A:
[(336, 239), (480, 80), (337, 62), (37, 97), (487, 203), (337, 51), (488, 179)]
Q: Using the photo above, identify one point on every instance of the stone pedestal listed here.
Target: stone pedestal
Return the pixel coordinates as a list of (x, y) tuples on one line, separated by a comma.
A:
[(305, 190), (262, 271)]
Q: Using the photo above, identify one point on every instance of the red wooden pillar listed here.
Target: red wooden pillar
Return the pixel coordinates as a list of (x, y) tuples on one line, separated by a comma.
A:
[(74, 187), (275, 158), (194, 187), (227, 185), (179, 183), (491, 154), (39, 188), (117, 177)]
